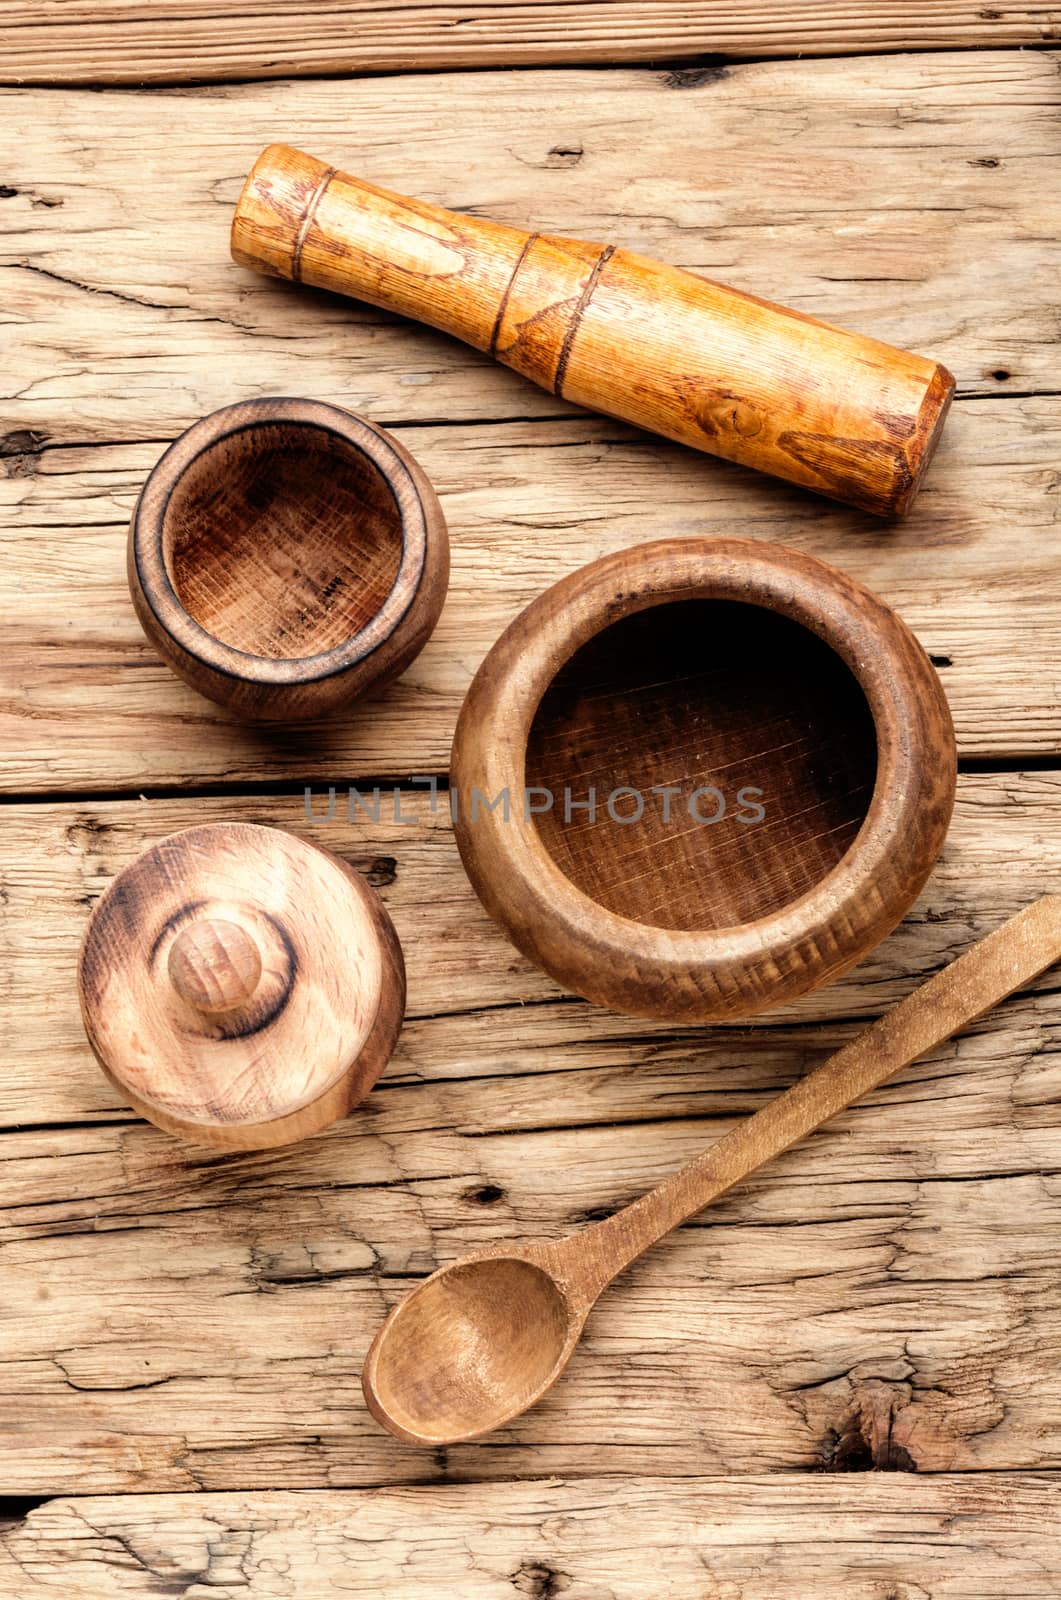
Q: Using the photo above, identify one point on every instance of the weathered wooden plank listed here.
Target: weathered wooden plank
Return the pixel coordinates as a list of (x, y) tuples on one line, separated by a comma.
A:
[(951, 1537), (887, 1291), (476, 1008), (173, 1323), (114, 41), (915, 205), (178, 1325), (126, 320), (86, 705)]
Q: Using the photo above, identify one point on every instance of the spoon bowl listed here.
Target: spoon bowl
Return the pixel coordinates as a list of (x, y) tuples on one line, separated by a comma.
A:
[(471, 1348)]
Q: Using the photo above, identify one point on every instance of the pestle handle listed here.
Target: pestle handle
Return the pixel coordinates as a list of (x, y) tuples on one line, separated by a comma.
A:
[(1007, 959), (657, 346)]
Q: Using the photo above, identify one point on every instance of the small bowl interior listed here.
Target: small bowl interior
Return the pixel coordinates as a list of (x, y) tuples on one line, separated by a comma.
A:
[(282, 539), (736, 701)]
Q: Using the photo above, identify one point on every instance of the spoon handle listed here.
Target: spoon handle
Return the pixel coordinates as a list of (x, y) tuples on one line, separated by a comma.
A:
[(1005, 960)]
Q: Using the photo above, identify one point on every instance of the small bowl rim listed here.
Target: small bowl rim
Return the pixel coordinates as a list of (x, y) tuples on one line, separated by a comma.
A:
[(157, 588), (533, 890)]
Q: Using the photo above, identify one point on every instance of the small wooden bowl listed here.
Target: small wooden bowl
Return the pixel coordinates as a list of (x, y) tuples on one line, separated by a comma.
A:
[(805, 741), (285, 555), (240, 986)]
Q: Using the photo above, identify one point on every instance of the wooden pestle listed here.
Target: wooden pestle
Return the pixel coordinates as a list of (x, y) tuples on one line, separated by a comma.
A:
[(663, 348)]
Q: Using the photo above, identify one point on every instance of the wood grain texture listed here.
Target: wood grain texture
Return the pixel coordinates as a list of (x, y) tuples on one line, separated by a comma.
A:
[(677, 354), (112, 349), (954, 1537), (612, 739), (241, 987), (285, 557), (114, 41), (179, 1320), (913, 205), (170, 1324), (483, 1339), (975, 578), (466, 983)]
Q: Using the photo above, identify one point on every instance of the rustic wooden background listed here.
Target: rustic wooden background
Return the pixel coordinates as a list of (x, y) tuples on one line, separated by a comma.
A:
[(845, 1380)]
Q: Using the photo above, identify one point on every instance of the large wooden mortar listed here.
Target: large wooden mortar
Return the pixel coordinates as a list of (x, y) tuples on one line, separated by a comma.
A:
[(772, 767)]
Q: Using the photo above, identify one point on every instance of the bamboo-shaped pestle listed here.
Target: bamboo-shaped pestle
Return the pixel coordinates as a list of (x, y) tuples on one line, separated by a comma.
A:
[(666, 349)]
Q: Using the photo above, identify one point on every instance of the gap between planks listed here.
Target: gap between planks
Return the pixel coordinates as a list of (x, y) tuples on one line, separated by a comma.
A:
[(286, 789)]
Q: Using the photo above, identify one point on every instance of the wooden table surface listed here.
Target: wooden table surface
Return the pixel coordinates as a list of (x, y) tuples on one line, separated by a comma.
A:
[(843, 1381)]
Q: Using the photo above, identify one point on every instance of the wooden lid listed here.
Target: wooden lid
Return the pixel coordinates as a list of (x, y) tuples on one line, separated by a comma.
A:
[(241, 986)]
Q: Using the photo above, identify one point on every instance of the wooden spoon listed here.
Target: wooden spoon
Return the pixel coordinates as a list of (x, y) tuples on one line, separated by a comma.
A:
[(480, 1341)]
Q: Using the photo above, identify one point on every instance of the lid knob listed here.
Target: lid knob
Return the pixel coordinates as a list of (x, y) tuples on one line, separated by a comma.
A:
[(214, 965)]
